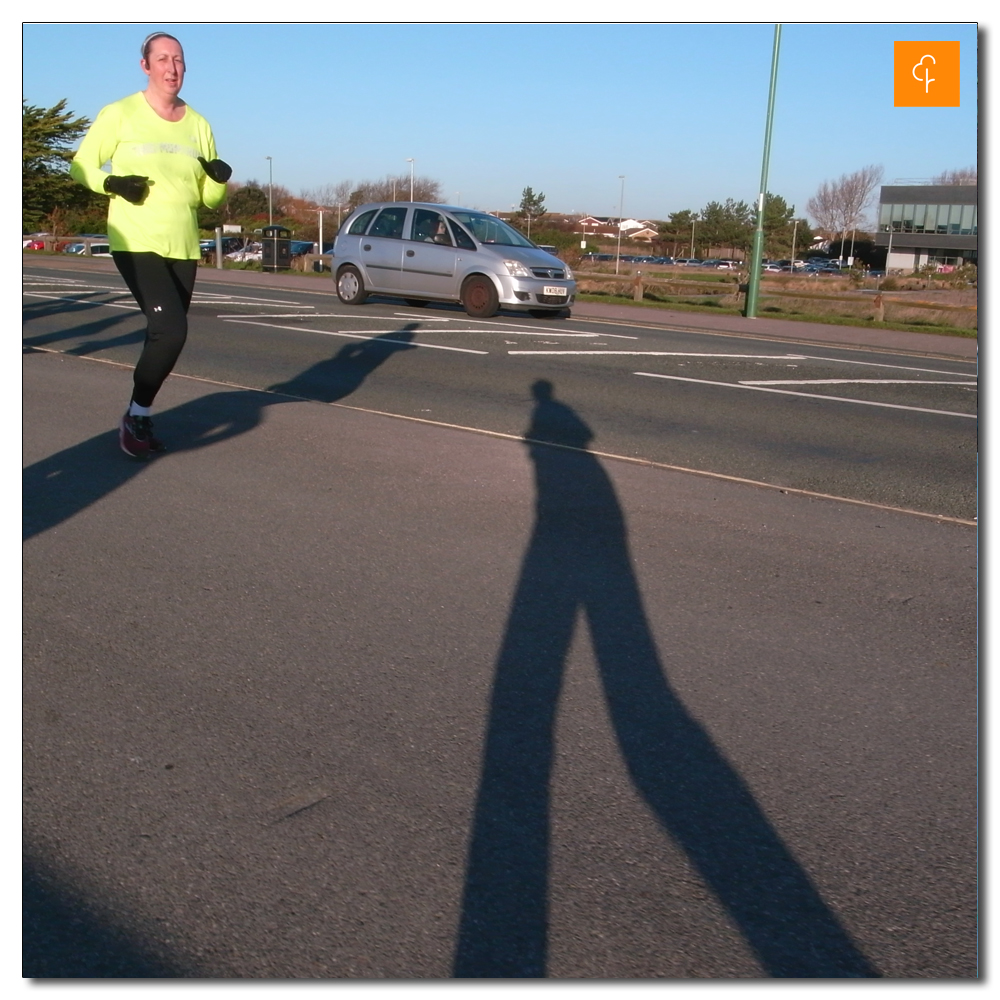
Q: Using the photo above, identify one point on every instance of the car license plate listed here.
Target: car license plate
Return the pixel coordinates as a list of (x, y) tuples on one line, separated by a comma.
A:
[(554, 290)]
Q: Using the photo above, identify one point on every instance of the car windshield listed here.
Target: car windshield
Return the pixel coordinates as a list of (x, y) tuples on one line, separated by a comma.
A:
[(490, 229)]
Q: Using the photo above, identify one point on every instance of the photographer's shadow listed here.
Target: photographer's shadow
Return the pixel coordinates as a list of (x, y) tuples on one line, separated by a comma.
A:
[(578, 560)]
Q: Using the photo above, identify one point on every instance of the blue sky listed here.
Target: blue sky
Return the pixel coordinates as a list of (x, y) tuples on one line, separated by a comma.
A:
[(487, 109)]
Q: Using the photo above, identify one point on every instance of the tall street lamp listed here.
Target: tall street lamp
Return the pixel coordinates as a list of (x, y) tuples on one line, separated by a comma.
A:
[(753, 282), (270, 191), (795, 229), (621, 215), (409, 160)]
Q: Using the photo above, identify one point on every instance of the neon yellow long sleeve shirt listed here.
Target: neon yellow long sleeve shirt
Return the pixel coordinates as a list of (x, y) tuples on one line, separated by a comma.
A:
[(137, 140)]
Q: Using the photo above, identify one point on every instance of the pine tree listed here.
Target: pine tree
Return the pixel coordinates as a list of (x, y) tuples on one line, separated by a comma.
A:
[(46, 137)]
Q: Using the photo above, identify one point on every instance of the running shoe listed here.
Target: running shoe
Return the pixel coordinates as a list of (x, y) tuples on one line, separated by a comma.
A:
[(135, 435)]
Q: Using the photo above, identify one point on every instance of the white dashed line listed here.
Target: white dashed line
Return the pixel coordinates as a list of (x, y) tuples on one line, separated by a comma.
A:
[(851, 381), (674, 354), (810, 395), (369, 335)]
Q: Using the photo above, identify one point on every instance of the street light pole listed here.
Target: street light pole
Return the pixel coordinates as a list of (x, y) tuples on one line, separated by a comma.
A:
[(753, 284), (409, 160), (270, 191), (621, 210), (795, 230)]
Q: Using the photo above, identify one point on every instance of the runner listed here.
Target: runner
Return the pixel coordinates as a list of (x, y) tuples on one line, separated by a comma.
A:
[(163, 167)]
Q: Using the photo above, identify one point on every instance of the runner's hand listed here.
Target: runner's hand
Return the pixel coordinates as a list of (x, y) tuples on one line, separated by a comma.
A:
[(218, 170), (131, 187)]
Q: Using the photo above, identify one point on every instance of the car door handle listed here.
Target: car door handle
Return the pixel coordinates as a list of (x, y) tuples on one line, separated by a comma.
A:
[(367, 246), (410, 253)]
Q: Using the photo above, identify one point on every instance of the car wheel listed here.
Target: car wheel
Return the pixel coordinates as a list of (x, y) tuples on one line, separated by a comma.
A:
[(416, 303), (479, 297), (350, 287)]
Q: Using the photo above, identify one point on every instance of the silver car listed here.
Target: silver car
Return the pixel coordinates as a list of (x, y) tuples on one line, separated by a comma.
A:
[(424, 252)]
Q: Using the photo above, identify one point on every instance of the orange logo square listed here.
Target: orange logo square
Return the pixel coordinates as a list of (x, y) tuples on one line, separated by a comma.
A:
[(926, 74)]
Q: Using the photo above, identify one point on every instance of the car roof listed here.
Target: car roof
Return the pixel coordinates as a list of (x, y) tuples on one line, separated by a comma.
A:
[(419, 204)]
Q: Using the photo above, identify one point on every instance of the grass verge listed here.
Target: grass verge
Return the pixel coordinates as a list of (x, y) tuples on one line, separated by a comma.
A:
[(774, 312)]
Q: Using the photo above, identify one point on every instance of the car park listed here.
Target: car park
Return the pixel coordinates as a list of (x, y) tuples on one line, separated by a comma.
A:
[(427, 252)]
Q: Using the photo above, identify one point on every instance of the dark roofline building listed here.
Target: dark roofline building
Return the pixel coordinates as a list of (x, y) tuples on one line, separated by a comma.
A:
[(923, 224)]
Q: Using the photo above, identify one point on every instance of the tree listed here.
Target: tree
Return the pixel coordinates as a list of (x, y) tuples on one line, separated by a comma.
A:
[(246, 202), (395, 188), (532, 207), (965, 176), (46, 137), (678, 231), (780, 228), (839, 206), (726, 225)]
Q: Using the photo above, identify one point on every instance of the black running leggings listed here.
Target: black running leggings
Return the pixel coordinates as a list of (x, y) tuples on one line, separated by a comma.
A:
[(162, 286)]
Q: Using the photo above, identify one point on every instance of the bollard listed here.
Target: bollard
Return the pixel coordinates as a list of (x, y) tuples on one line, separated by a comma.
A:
[(879, 316), (637, 287)]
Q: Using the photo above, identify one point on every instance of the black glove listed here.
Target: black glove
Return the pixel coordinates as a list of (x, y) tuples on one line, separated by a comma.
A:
[(218, 170), (131, 187)]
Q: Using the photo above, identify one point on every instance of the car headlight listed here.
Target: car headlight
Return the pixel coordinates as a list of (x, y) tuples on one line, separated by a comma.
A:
[(516, 269), (569, 272)]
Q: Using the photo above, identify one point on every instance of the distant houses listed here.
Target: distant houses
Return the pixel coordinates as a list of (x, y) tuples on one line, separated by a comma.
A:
[(630, 229)]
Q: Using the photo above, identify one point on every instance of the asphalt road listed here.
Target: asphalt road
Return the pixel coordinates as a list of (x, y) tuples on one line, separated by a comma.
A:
[(886, 428), (327, 693)]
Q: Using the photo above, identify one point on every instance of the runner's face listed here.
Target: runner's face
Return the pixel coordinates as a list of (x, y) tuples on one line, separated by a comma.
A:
[(165, 66)]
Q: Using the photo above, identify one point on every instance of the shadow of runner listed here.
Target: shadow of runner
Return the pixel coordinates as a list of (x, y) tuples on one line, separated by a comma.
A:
[(578, 560), (68, 482), (66, 936)]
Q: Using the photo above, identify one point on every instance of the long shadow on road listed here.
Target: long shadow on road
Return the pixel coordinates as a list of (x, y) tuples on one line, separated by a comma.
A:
[(63, 484), (577, 561)]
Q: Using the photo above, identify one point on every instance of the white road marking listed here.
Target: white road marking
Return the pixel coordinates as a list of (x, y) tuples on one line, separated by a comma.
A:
[(810, 395), (547, 330), (80, 301), (671, 354), (370, 335), (217, 298), (876, 364), (851, 381)]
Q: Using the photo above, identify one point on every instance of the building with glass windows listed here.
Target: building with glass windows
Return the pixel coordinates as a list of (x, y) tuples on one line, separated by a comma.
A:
[(923, 224)]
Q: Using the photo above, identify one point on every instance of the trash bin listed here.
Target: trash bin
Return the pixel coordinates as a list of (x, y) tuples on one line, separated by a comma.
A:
[(276, 253)]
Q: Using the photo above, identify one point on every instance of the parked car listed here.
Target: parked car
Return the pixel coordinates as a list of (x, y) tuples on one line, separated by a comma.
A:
[(426, 252), (33, 245), (96, 249), (299, 247), (250, 251), (687, 262)]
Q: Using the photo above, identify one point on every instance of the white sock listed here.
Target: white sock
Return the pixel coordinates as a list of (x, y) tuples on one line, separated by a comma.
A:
[(135, 410)]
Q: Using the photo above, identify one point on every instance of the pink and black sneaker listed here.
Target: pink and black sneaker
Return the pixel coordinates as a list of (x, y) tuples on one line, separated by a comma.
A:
[(135, 435)]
